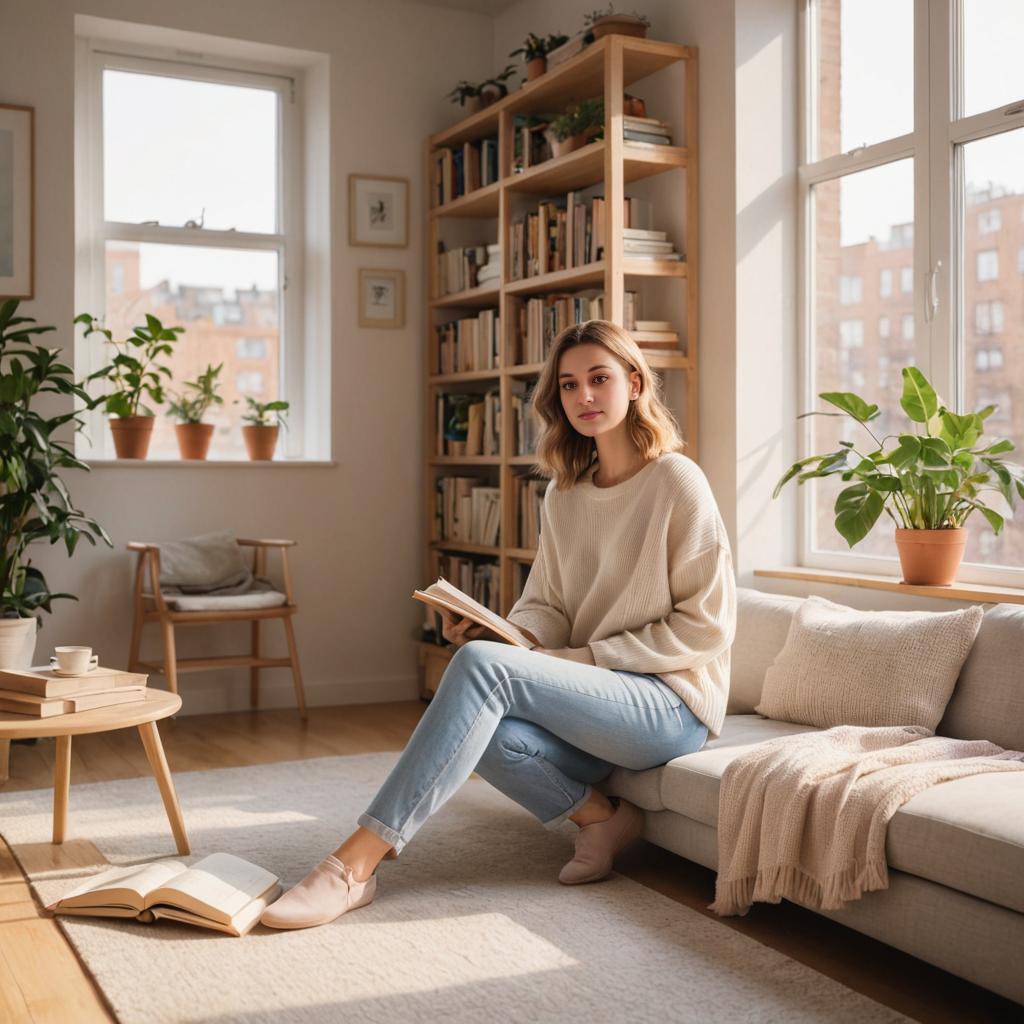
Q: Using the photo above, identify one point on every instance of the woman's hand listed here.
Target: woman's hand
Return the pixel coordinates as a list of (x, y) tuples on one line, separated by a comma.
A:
[(460, 630)]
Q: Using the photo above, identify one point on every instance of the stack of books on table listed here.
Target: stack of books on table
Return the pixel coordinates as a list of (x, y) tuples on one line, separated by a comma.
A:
[(645, 244), (646, 131), (43, 693), (659, 335)]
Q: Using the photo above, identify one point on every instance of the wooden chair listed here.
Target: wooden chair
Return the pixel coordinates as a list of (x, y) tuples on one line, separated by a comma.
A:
[(150, 606)]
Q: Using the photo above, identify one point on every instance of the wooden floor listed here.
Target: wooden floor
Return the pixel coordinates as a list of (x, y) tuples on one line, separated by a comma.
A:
[(41, 978)]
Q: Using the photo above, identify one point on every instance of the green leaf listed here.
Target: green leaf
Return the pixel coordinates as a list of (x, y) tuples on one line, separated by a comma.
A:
[(919, 400), (851, 404), (857, 510)]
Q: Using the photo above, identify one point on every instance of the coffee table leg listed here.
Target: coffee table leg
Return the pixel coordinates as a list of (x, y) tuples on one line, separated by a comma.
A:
[(61, 785), (158, 762)]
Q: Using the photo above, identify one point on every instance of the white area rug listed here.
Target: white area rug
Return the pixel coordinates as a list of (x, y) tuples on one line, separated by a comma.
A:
[(469, 925)]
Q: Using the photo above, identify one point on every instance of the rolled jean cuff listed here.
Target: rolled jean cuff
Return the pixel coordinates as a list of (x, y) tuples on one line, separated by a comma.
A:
[(388, 834), (565, 815)]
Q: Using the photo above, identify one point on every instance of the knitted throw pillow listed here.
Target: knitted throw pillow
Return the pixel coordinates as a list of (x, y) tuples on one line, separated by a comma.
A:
[(842, 666)]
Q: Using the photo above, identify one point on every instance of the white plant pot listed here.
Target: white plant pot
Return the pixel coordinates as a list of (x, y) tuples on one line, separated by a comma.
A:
[(17, 642)]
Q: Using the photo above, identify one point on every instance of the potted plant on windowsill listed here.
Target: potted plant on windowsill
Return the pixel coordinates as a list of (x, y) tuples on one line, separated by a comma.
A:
[(535, 50), (133, 372), (35, 503), (193, 434), (928, 483), (576, 127), (263, 419)]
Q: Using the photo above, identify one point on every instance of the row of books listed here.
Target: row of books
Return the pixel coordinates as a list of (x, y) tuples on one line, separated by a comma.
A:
[(529, 495), (458, 170), (43, 693), (468, 344), (467, 510), (469, 424), (540, 319), (524, 424), (457, 268)]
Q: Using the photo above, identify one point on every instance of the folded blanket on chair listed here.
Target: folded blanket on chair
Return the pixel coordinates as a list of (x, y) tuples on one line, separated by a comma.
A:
[(804, 817), (208, 564)]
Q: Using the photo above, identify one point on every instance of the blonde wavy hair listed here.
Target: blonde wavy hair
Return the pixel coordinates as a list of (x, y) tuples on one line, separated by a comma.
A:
[(562, 452)]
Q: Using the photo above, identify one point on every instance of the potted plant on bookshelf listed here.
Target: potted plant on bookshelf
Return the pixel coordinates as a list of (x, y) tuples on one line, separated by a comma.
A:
[(576, 127), (928, 483), (263, 421), (493, 89), (35, 505), (133, 372), (606, 22), (535, 50), (193, 434), (467, 95)]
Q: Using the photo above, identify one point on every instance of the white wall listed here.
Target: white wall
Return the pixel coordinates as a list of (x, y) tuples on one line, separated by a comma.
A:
[(359, 523)]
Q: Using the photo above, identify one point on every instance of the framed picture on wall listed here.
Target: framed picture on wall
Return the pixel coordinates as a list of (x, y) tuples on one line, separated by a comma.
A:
[(16, 202), (378, 211), (381, 298)]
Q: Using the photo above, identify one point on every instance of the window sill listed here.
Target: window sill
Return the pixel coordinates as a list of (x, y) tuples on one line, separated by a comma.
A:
[(206, 463), (954, 592)]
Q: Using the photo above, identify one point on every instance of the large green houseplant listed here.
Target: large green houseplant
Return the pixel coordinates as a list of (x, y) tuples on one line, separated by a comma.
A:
[(34, 501), (929, 479)]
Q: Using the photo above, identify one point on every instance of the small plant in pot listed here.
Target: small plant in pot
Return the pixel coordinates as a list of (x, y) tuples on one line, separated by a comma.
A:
[(34, 501), (134, 371), (535, 50), (928, 482), (493, 89), (263, 421), (467, 95), (606, 22), (576, 127), (193, 434)]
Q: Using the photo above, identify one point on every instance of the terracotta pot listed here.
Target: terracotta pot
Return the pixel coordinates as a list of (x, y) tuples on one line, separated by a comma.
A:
[(194, 439), (536, 67), (931, 557), (472, 104), (260, 442), (490, 94), (17, 642), (633, 106), (131, 435), (619, 25)]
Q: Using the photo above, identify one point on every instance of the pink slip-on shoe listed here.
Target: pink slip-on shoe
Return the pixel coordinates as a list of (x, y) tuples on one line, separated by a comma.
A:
[(326, 893), (597, 844)]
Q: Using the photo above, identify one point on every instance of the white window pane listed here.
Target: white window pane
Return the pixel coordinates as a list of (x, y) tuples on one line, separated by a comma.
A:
[(174, 148), (221, 297), (906, 279), (865, 73), (885, 284), (993, 373), (993, 72), (858, 220)]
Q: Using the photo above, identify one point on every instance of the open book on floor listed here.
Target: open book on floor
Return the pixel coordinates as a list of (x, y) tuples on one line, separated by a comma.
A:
[(221, 891), (449, 598)]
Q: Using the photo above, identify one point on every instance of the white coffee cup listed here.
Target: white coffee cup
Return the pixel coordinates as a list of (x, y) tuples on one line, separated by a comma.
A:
[(74, 661)]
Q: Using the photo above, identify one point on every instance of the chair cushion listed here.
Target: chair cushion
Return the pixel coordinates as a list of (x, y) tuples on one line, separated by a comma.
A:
[(207, 562), (965, 834), (762, 625), (229, 602)]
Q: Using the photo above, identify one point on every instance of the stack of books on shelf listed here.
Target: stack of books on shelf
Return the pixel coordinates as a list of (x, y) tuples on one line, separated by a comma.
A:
[(647, 131), (469, 344), (469, 424), (458, 170), (540, 319), (656, 334), (524, 424), (529, 496), (457, 268), (468, 511), (43, 692), (647, 244), (490, 272)]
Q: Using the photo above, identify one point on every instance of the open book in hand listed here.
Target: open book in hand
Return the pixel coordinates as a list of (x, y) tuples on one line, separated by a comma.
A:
[(449, 598), (220, 891)]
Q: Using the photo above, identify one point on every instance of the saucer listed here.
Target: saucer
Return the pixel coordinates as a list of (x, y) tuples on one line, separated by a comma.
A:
[(71, 675)]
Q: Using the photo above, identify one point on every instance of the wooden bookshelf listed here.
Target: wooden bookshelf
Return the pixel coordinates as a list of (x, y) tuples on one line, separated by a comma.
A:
[(604, 69)]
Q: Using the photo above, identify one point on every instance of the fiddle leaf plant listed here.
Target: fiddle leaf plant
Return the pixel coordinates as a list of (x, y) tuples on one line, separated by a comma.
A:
[(34, 501), (192, 408), (930, 477), (135, 369)]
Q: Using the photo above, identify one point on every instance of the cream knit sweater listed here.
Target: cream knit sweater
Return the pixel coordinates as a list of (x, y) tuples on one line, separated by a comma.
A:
[(642, 573)]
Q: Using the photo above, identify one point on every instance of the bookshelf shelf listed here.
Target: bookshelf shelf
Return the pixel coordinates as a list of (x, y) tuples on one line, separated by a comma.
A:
[(604, 69)]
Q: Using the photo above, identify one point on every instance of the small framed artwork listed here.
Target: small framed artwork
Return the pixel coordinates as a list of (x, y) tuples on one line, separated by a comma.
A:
[(16, 202), (381, 298), (378, 211)]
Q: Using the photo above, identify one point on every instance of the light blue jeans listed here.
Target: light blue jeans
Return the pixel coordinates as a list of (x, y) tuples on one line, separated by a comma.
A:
[(539, 728)]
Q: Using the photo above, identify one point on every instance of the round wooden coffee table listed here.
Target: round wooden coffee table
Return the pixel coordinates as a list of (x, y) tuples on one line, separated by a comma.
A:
[(143, 714)]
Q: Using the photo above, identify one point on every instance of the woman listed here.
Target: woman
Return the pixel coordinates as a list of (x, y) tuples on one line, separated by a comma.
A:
[(631, 604)]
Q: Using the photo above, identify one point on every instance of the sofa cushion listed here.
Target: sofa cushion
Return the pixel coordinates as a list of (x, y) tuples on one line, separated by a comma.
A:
[(762, 625), (964, 834), (988, 702), (842, 666)]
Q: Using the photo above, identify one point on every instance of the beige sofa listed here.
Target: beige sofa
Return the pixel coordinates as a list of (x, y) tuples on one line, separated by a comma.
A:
[(955, 851)]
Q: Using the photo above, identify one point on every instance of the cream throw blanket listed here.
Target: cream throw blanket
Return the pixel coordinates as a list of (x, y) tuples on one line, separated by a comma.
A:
[(804, 817)]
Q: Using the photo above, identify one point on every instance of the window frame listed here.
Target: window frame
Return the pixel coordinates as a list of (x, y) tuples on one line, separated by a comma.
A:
[(93, 231), (936, 147)]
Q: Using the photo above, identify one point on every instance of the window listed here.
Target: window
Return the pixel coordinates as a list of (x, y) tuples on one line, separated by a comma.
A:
[(851, 333), (850, 293), (944, 177), (197, 213), (885, 283)]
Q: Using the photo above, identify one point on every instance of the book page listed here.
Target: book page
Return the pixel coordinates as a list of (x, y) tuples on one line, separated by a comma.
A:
[(121, 886), (217, 887), (239, 924), (444, 595)]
